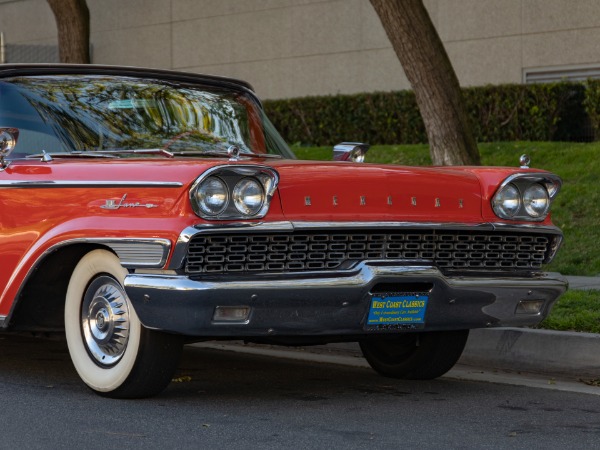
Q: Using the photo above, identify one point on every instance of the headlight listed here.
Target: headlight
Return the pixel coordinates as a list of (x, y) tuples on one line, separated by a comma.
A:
[(233, 192), (507, 202), (536, 200), (526, 196), (248, 196), (212, 196)]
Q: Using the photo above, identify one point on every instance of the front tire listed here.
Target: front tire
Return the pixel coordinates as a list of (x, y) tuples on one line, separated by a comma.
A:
[(415, 356), (111, 350)]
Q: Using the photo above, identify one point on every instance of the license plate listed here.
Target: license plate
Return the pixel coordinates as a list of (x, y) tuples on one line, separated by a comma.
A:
[(397, 310)]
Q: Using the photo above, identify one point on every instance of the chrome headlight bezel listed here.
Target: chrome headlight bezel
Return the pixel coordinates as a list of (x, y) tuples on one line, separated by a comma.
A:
[(524, 183), (232, 175)]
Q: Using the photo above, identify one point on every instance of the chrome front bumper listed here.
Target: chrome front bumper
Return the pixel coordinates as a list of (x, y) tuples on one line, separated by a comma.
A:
[(334, 306)]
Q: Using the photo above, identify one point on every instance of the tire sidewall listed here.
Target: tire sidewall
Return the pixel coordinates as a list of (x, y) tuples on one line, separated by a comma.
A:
[(101, 379)]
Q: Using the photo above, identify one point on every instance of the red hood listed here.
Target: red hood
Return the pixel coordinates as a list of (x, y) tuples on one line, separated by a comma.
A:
[(323, 191)]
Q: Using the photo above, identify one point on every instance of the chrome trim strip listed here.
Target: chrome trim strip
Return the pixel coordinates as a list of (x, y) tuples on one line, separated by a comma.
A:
[(187, 234), (153, 254), (485, 226), (79, 183), (362, 273)]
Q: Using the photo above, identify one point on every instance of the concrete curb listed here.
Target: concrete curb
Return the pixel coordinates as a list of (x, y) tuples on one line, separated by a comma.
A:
[(550, 353), (538, 351)]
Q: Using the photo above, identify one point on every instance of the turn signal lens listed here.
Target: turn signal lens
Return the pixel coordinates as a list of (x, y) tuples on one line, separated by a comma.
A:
[(529, 307), (231, 314)]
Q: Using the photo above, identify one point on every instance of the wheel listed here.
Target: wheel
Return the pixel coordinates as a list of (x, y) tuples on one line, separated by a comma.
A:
[(415, 356), (111, 350)]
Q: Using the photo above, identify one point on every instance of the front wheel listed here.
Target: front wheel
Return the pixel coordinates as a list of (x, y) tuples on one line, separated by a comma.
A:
[(111, 350), (415, 356)]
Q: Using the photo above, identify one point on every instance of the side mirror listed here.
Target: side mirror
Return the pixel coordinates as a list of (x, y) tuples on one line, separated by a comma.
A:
[(8, 141), (350, 151)]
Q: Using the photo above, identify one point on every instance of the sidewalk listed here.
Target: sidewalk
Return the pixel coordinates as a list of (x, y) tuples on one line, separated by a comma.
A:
[(584, 283)]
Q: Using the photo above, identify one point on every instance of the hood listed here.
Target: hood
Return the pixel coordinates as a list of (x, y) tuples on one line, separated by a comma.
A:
[(325, 191)]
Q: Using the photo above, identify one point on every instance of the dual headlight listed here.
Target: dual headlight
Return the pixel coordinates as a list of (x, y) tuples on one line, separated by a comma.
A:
[(234, 192), (526, 197)]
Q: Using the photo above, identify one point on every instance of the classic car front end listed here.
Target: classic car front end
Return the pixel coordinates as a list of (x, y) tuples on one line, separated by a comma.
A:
[(142, 209)]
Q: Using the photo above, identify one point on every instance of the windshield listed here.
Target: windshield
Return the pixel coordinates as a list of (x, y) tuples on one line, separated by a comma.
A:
[(84, 113)]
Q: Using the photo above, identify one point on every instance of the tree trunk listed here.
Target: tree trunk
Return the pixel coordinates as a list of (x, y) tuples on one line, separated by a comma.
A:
[(73, 24), (430, 73)]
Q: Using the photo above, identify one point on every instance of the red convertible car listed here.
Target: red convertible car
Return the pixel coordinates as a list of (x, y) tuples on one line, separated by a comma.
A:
[(144, 209)]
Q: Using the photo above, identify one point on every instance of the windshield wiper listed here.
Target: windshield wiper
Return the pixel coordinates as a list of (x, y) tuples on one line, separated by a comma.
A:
[(226, 154), (101, 153), (150, 151)]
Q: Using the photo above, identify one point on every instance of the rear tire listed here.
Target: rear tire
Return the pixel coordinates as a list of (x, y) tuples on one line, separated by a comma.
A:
[(111, 350), (415, 356)]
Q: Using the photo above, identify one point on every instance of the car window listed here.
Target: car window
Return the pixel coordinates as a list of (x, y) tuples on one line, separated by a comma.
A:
[(91, 113)]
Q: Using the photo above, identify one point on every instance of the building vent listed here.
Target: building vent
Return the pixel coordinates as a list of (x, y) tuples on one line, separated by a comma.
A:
[(564, 73)]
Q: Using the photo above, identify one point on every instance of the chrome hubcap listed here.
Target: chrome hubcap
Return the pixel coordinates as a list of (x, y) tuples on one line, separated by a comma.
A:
[(105, 320)]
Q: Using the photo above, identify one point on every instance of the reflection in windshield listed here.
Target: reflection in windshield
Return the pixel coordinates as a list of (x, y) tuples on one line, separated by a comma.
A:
[(91, 113)]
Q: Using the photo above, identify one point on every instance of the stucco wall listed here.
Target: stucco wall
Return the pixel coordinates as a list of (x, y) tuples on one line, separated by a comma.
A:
[(290, 48)]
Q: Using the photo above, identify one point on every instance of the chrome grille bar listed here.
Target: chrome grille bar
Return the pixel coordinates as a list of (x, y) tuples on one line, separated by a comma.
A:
[(317, 251)]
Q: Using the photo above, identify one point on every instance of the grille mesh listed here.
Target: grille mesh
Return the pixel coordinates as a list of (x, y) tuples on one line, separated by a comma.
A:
[(298, 252)]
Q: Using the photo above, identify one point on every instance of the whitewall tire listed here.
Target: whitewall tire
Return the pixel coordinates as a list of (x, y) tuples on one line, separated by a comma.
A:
[(111, 350)]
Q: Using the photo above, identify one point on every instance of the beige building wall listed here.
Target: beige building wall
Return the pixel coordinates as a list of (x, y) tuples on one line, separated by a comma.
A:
[(291, 48)]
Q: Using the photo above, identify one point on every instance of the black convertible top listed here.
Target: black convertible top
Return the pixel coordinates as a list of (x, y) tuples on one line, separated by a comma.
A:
[(13, 70)]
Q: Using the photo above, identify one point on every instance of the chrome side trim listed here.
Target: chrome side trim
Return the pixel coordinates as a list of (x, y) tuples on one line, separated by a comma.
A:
[(135, 253), (186, 235), (78, 183)]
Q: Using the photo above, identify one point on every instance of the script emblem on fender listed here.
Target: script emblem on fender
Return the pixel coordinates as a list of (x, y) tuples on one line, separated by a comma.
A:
[(117, 204)]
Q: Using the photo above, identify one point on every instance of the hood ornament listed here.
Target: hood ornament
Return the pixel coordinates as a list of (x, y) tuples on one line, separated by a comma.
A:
[(525, 161), (234, 153)]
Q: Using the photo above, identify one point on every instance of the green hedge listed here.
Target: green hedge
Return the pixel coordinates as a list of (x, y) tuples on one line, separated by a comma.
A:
[(536, 112), (592, 104)]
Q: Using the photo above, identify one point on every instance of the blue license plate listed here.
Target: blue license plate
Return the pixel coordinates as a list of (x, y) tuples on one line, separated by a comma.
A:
[(397, 310)]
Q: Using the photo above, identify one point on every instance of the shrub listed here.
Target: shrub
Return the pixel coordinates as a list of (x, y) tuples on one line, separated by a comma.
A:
[(543, 112)]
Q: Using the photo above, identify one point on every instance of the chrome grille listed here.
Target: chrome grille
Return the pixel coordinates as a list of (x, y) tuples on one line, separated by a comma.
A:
[(304, 251)]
